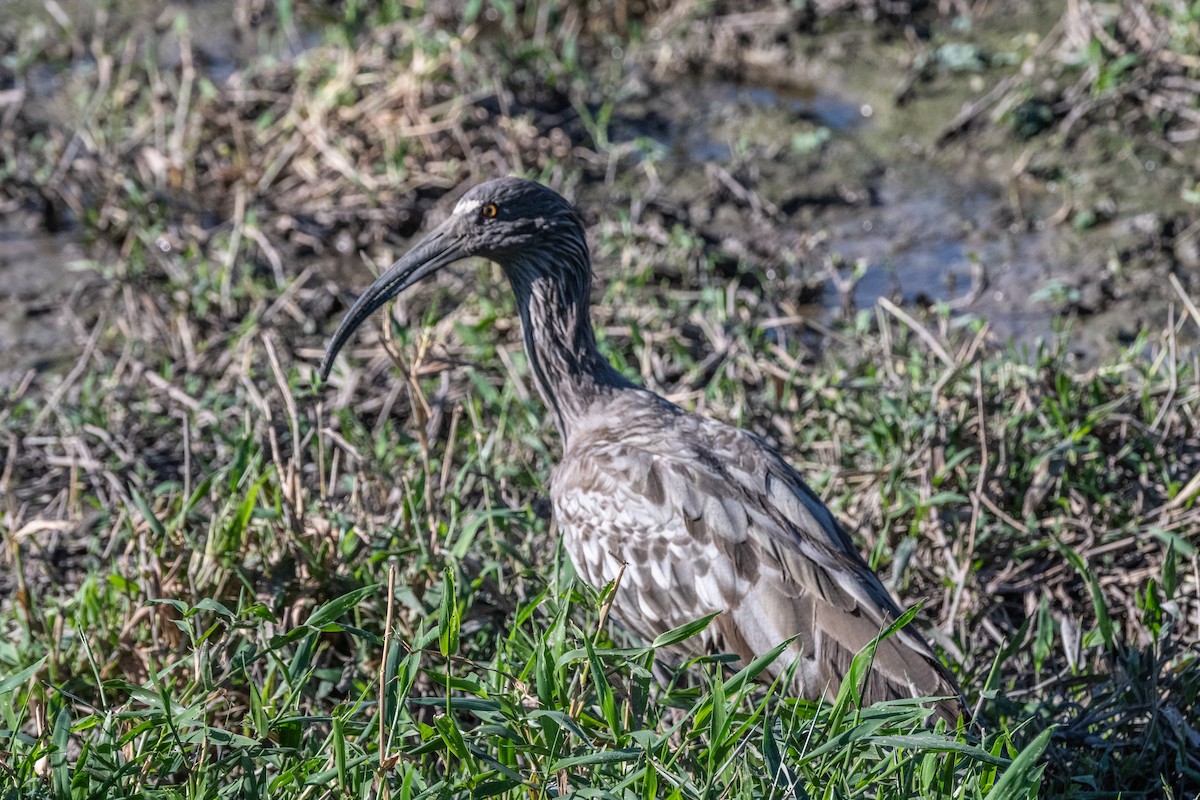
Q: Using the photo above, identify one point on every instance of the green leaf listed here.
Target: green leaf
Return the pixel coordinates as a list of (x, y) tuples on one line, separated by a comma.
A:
[(235, 532), (1024, 776), (451, 735), (929, 741), (718, 726), (608, 704), (560, 719), (1151, 607), (11, 682), (1101, 608), (756, 667), (857, 733), (685, 631), (592, 759), (60, 768), (208, 604), (860, 666), (147, 514), (1044, 640), (329, 612), (219, 736), (448, 619), (123, 584), (770, 750), (178, 605), (339, 752), (544, 674), (474, 704), (1170, 581)]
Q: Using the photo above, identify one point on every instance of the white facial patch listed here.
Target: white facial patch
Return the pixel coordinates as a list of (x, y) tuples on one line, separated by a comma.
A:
[(466, 207)]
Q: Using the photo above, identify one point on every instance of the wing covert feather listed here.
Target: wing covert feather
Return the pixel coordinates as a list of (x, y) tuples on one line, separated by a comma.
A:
[(709, 518)]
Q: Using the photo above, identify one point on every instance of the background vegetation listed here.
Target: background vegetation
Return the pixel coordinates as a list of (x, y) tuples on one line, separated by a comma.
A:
[(225, 579)]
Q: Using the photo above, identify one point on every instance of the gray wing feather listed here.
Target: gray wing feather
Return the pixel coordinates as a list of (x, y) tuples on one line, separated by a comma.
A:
[(709, 518)]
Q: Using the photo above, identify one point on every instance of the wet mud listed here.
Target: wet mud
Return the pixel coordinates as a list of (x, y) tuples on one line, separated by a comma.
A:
[(812, 172)]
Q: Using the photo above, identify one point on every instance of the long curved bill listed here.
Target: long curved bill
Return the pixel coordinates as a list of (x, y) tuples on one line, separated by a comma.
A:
[(439, 248)]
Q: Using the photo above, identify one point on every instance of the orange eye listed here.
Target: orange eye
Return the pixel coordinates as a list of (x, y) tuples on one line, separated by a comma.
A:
[(489, 210)]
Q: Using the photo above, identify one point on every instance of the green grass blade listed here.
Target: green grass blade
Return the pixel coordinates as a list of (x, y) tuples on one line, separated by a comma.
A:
[(1023, 777), (11, 682)]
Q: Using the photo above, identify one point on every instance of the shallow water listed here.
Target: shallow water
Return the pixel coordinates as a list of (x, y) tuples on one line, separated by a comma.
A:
[(919, 232)]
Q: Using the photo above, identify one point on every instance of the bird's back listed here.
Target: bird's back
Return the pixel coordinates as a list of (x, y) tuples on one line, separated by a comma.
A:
[(708, 518)]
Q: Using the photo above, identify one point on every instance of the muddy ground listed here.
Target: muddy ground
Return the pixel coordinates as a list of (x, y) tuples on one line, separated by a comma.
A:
[(825, 161)]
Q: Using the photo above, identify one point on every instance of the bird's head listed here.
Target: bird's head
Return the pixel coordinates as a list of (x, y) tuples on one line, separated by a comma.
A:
[(526, 228)]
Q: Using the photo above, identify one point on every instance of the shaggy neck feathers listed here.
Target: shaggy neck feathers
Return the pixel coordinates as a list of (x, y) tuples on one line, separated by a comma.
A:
[(553, 295)]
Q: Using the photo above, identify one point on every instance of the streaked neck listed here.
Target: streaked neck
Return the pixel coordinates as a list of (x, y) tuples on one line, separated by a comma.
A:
[(570, 373)]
